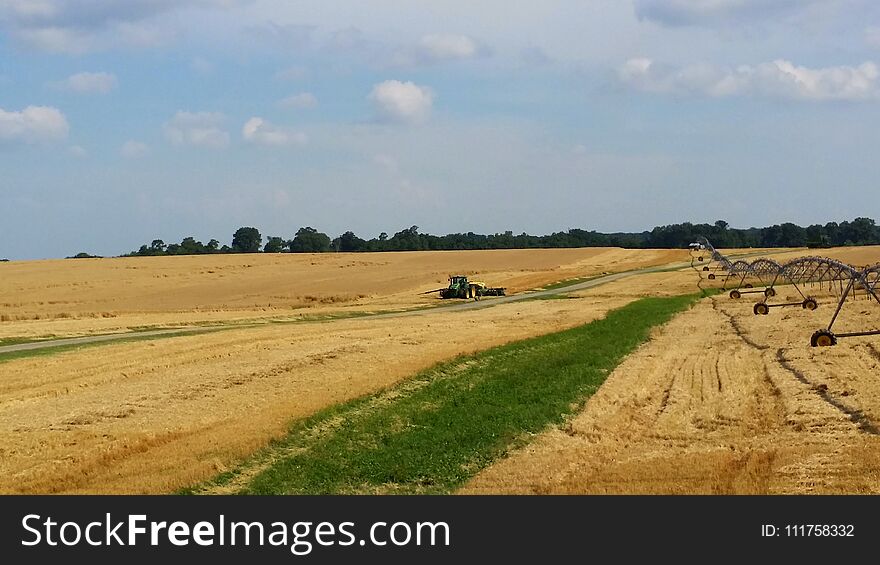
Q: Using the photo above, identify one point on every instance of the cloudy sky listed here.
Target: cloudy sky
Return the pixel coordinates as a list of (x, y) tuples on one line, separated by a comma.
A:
[(125, 121)]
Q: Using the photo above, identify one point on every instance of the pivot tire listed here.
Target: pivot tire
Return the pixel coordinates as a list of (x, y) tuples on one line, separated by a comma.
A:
[(823, 338)]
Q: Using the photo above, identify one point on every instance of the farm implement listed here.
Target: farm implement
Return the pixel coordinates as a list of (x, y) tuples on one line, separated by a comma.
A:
[(840, 279), (866, 280), (461, 287), (804, 271)]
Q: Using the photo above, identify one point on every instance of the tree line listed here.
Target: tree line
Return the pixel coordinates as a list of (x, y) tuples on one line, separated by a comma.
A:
[(861, 231)]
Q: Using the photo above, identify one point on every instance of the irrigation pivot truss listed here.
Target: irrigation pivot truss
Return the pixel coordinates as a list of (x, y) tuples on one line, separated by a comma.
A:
[(866, 280), (697, 255), (741, 272), (798, 273), (840, 278)]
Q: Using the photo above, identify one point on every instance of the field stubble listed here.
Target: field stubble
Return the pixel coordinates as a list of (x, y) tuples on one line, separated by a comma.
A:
[(720, 402), (63, 298), (717, 389), (148, 417)]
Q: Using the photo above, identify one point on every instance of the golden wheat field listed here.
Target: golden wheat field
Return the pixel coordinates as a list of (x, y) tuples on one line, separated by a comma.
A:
[(56, 298), (719, 400)]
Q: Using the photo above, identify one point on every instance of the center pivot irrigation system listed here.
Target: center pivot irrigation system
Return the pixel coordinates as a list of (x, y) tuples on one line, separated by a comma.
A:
[(843, 280)]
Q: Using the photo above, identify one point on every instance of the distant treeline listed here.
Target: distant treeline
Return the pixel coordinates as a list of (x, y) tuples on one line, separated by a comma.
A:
[(861, 231)]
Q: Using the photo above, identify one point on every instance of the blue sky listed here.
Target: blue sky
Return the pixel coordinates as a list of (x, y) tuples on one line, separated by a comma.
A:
[(121, 122)]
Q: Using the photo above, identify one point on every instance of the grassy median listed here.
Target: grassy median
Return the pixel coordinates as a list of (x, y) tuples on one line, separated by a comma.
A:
[(434, 431)]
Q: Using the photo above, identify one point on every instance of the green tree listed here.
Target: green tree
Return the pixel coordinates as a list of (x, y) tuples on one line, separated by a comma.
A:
[(862, 231), (274, 245), (310, 240), (350, 242), (407, 239), (189, 246), (246, 240)]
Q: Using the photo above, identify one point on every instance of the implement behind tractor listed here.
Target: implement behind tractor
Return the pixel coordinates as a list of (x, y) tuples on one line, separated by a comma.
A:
[(461, 287)]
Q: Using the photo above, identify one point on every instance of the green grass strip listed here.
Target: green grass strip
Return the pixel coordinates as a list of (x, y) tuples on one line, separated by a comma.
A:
[(431, 433)]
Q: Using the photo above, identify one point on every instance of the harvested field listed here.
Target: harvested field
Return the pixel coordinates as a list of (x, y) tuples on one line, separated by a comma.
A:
[(154, 416), (739, 402), (858, 256), (720, 402), (60, 298)]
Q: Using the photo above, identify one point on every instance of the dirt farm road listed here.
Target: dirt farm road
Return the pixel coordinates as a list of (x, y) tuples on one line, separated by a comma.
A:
[(604, 279)]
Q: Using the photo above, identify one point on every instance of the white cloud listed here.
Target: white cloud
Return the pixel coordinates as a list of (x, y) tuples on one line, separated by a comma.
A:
[(779, 79), (77, 151), (132, 149), (89, 83), (202, 129), (57, 40), (34, 124), (403, 102), (80, 26), (437, 48), (259, 131), (301, 100), (445, 47)]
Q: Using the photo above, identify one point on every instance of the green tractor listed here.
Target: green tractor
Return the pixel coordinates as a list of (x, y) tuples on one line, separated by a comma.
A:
[(461, 287)]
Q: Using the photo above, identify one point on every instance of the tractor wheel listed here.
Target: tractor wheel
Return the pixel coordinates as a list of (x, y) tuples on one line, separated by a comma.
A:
[(711, 276), (735, 294), (770, 292), (748, 285), (823, 338), (706, 268), (761, 309), (810, 304)]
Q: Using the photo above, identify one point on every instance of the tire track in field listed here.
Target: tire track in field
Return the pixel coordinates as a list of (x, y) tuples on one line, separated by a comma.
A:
[(705, 407), (855, 415)]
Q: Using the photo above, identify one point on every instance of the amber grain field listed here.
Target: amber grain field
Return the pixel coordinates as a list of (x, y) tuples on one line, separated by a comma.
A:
[(717, 401)]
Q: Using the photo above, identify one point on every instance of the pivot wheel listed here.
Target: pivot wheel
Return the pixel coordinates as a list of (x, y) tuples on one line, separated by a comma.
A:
[(706, 268), (699, 258), (761, 309), (735, 294), (769, 292), (823, 338), (711, 276), (748, 285), (810, 304)]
